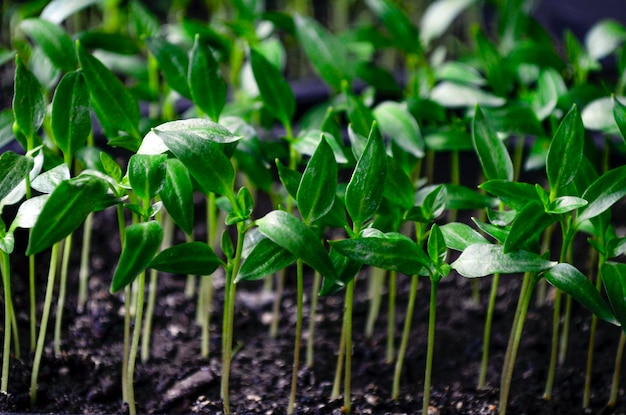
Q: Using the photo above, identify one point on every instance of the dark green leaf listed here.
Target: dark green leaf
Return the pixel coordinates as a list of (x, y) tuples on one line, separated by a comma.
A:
[(459, 236), (274, 89), (397, 23), (174, 63), (480, 260), (53, 40), (613, 276), (497, 232), (513, 194), (266, 258), (603, 193), (13, 169), (29, 106), (365, 189), (398, 188), (571, 281), (146, 174), (437, 248), (289, 178), (361, 118), (195, 258), (448, 140), (316, 193), (515, 120), (6, 127), (111, 167), (462, 197), (140, 245), (207, 87), (434, 203), (619, 113), (292, 234), (71, 119), (527, 227), (67, 207), (142, 21), (566, 151), (496, 71), (113, 103), (177, 194), (493, 155)]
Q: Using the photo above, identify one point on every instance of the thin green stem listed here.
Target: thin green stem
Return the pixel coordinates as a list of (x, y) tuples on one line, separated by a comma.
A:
[(67, 248), (526, 292), (317, 279), (52, 269), (482, 377), (434, 284), (147, 322), (297, 343), (617, 370), (391, 317), (339, 368), (592, 337), (347, 381), (32, 301), (5, 268), (132, 356), (404, 343), (83, 273), (375, 291), (556, 315)]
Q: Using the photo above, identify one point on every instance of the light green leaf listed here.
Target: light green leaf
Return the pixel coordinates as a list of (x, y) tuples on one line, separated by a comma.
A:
[(13, 169), (603, 193), (614, 279), (453, 95), (459, 236), (57, 11), (480, 260), (513, 194), (598, 115), (438, 17), (28, 212), (565, 204), (47, 181), (177, 194), (397, 123), (604, 38)]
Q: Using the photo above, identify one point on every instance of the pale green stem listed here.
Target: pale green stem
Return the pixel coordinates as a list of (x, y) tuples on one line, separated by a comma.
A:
[(67, 248), (41, 338), (391, 317), (317, 279), (297, 343), (404, 343), (33, 301), (376, 283), (280, 288), (482, 377), (339, 368), (547, 394), (455, 179), (206, 287), (132, 355), (147, 322), (514, 340), (5, 266), (347, 382), (83, 273), (617, 370), (434, 284)]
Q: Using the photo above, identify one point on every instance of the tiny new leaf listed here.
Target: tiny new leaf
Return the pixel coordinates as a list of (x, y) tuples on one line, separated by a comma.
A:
[(140, 245), (195, 258)]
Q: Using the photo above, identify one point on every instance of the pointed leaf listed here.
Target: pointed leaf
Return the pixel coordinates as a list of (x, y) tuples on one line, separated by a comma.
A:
[(527, 227), (398, 187), (459, 236), (54, 42), (397, 23), (177, 194), (513, 194), (47, 181), (71, 119), (13, 169), (453, 95), (565, 204), (195, 258), (316, 193), (29, 107), (566, 151), (28, 212), (437, 249), (266, 258), (67, 207), (397, 123), (289, 178), (603, 193), (207, 87), (493, 155), (146, 174), (571, 281), (438, 17), (619, 113), (57, 11), (292, 234), (614, 279), (141, 244), (174, 63), (276, 93), (480, 260)]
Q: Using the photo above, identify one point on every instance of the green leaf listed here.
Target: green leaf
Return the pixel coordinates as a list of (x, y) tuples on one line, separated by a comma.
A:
[(459, 236), (266, 258), (613, 276), (276, 93), (437, 248), (316, 192), (434, 203), (365, 189), (603, 193), (146, 174), (619, 113), (515, 119), (71, 119), (289, 178), (448, 140), (453, 95), (58, 10), (571, 281), (361, 118), (599, 115), (174, 63), (565, 204), (6, 127), (480, 260), (67, 207), (13, 169), (112, 102), (550, 86), (497, 232), (497, 73), (29, 107), (566, 151), (527, 227), (513, 194), (493, 154), (398, 187), (111, 167), (604, 38), (177, 195), (397, 123), (207, 87), (438, 17), (397, 23), (142, 21), (28, 212), (462, 197), (391, 251), (47, 181), (292, 234), (140, 246), (204, 159), (55, 43), (195, 258), (327, 53)]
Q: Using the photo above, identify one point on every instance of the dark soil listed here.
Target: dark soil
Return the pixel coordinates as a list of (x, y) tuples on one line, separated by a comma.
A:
[(86, 378)]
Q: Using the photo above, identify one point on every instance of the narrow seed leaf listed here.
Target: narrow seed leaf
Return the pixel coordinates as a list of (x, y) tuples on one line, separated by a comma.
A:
[(174, 63), (566, 151), (365, 189), (292, 234), (527, 227), (480, 260), (141, 244), (112, 102), (327, 53), (67, 207), (29, 107), (459, 236), (71, 119), (571, 281), (276, 93), (195, 258), (391, 251), (207, 87), (55, 43), (613, 276), (47, 181), (13, 169), (266, 258), (492, 153), (316, 193), (177, 194), (603, 193)]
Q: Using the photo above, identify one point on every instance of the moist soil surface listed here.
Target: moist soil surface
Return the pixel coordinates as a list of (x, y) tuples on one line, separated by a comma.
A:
[(86, 378)]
